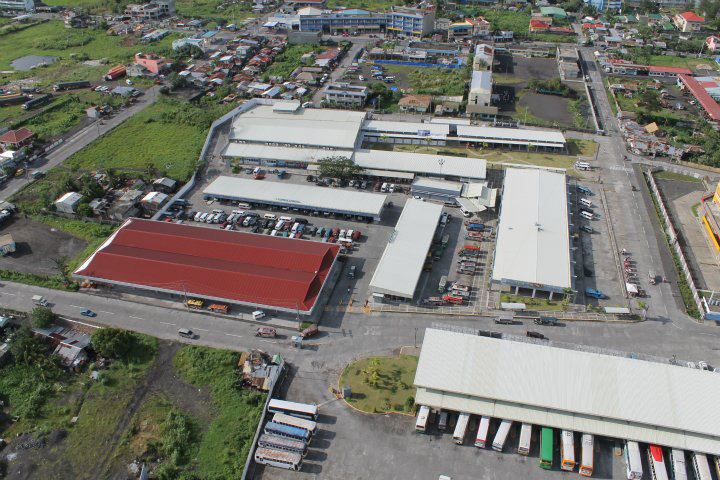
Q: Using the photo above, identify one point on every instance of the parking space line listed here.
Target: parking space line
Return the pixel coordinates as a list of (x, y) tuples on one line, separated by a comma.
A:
[(201, 329), (168, 323), (133, 316), (75, 306), (109, 313), (233, 335)]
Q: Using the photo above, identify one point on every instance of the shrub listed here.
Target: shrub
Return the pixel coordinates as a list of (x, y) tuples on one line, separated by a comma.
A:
[(42, 317)]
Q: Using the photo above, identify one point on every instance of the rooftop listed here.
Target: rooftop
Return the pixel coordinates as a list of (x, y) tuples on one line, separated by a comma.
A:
[(401, 263), (513, 135), (211, 263), (533, 241), (481, 81), (314, 126), (304, 196), (692, 17), (16, 136), (606, 395), (422, 163)]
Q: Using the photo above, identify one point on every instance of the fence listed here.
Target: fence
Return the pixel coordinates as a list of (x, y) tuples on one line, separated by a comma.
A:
[(674, 244)]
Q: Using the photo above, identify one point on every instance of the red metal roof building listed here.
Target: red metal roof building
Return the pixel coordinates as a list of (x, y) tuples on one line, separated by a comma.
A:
[(16, 138), (243, 268), (702, 96)]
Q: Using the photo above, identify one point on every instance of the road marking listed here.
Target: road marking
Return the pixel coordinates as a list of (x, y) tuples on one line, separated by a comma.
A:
[(201, 329), (75, 306), (133, 316), (109, 313), (167, 323), (233, 335), (11, 294)]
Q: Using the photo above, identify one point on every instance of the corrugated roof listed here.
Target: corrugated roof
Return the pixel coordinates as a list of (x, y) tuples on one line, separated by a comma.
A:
[(213, 263), (423, 163), (511, 134), (401, 264), (533, 241), (481, 81), (605, 395), (296, 195), (701, 95)]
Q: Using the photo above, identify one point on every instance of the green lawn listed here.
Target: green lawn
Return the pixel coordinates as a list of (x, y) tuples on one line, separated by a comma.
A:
[(372, 5), (676, 177), (72, 47), (225, 444), (286, 62), (433, 81), (381, 384)]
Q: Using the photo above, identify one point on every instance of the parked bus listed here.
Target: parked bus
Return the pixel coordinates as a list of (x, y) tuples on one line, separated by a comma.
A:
[(717, 466), (677, 462), (461, 428), (278, 458), (282, 443), (587, 456), (546, 448), (285, 419), (501, 435), (525, 437), (482, 433), (300, 410), (700, 466), (633, 463), (422, 418), (567, 450), (657, 463), (287, 431)]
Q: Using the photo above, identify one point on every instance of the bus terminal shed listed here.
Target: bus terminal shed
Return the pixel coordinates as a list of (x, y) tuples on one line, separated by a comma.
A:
[(611, 396)]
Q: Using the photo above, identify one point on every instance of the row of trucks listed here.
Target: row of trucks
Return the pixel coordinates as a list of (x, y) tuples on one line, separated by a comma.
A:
[(458, 294)]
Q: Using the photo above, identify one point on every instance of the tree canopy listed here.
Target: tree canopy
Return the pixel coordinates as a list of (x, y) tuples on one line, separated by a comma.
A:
[(338, 167)]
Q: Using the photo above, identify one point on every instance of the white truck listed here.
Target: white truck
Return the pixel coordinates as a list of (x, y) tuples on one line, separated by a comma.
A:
[(40, 300)]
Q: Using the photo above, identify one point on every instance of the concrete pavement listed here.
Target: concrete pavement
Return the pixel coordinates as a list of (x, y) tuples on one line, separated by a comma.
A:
[(79, 141)]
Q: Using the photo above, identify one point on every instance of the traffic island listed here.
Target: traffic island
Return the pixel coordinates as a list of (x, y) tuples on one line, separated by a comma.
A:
[(380, 384)]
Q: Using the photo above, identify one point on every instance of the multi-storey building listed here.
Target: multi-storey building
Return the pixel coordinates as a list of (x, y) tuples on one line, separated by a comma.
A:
[(411, 21), (603, 5), (345, 94), (18, 5)]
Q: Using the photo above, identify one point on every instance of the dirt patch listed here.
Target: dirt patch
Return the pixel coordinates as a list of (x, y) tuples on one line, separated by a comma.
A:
[(37, 246), (551, 108)]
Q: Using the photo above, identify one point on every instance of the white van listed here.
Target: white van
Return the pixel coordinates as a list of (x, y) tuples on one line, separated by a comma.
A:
[(466, 213), (258, 314), (585, 202), (384, 187), (582, 166), (203, 217), (586, 214), (287, 219), (269, 216)]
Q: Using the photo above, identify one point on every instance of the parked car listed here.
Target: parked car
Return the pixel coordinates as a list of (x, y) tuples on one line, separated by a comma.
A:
[(267, 332), (310, 331), (532, 334)]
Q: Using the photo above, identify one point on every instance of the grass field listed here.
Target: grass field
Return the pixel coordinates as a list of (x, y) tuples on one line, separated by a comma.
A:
[(381, 384), (72, 47), (433, 81), (230, 11), (675, 61), (225, 443), (372, 5), (676, 177), (166, 138), (585, 148), (286, 62)]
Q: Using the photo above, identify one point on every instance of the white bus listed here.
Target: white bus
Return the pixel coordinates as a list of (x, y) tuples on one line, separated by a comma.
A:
[(285, 419), (525, 437), (677, 461), (461, 428), (701, 466), (482, 433), (717, 466), (422, 418), (501, 435), (282, 443), (587, 456), (656, 461), (278, 458), (633, 463), (567, 450), (301, 410)]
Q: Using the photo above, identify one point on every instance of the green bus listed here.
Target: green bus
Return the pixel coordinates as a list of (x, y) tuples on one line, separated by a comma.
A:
[(546, 448)]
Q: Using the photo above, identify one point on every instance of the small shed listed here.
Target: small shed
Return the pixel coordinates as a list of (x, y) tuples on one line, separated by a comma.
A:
[(165, 185), (153, 201), (68, 202)]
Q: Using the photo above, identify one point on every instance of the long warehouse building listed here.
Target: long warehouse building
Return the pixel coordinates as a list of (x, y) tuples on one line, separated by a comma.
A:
[(292, 195), (533, 237), (611, 396), (401, 264), (287, 275)]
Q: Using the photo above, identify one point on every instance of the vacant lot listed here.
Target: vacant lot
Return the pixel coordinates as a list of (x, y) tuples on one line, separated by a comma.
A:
[(431, 81), (286, 62), (38, 246), (72, 47), (178, 421), (381, 384)]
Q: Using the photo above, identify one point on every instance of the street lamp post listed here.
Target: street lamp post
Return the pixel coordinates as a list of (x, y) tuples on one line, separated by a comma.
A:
[(441, 162)]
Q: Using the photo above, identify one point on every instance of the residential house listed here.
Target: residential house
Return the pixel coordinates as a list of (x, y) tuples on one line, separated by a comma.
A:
[(153, 10), (345, 94), (165, 185), (411, 21), (713, 43), (415, 103), (16, 139), (153, 201), (126, 206), (69, 344), (688, 22), (99, 206), (68, 202), (539, 26), (470, 27), (17, 5)]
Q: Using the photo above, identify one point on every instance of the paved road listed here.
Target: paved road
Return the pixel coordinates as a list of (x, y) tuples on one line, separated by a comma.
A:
[(357, 44), (80, 140)]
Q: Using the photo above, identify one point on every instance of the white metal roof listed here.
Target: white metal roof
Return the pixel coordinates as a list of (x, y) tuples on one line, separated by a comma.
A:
[(495, 134), (613, 396), (454, 188), (288, 154), (533, 241), (432, 130), (291, 194), (445, 165), (481, 81), (313, 126), (401, 264)]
